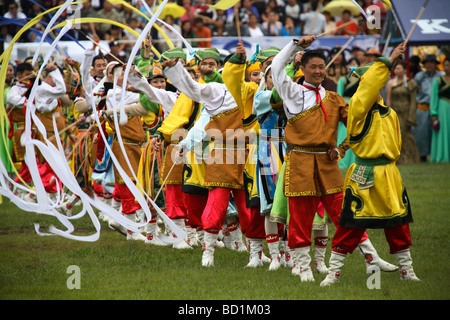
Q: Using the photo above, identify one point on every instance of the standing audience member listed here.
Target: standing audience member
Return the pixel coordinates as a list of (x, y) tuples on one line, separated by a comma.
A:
[(254, 28), (401, 96), (202, 32), (289, 29), (307, 18), (349, 30), (292, 9), (272, 27), (440, 116), (425, 81)]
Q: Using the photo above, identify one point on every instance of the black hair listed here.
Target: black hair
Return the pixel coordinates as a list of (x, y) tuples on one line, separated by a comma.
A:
[(24, 66), (98, 57), (309, 54)]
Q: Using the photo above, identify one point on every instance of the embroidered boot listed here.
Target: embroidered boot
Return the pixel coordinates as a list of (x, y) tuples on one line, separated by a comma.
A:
[(405, 262), (372, 259), (334, 271), (256, 246), (209, 246)]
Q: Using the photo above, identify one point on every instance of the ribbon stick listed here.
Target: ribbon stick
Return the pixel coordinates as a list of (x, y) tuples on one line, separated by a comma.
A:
[(319, 6), (415, 23), (340, 51), (340, 27)]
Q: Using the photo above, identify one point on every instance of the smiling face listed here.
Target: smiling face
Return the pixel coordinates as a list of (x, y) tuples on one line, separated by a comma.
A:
[(314, 71)]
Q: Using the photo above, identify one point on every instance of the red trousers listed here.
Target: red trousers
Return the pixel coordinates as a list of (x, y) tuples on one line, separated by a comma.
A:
[(175, 202), (347, 239), (302, 210), (251, 221), (195, 205), (129, 203)]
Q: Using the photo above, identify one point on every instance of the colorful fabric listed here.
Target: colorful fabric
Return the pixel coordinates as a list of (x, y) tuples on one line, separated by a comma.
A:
[(210, 53), (263, 55), (172, 54)]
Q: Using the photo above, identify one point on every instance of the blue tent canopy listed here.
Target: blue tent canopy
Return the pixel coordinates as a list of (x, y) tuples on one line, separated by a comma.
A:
[(433, 27)]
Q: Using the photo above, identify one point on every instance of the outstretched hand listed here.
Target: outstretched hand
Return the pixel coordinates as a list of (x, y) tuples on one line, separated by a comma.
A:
[(398, 52), (169, 63), (240, 50), (305, 42)]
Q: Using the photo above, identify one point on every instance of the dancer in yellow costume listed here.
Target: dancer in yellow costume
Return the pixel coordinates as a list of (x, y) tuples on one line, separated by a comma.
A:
[(375, 196)]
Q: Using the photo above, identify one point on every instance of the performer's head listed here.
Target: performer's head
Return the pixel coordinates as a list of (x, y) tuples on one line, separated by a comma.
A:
[(266, 56), (24, 70), (99, 64), (313, 66), (208, 60), (156, 78)]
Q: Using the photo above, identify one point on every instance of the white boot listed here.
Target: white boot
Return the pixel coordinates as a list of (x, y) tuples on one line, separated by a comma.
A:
[(256, 246), (152, 234), (112, 223), (192, 237), (289, 257), (131, 235), (201, 236), (302, 262), (275, 257), (405, 262), (334, 271), (320, 247), (372, 259), (236, 236), (182, 244), (227, 240), (67, 206), (209, 246)]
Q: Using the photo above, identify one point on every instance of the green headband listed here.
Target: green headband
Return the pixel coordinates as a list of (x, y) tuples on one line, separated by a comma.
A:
[(173, 53), (263, 55), (210, 53)]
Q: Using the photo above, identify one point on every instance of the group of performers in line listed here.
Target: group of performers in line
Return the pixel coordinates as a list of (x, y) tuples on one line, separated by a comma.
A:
[(283, 184)]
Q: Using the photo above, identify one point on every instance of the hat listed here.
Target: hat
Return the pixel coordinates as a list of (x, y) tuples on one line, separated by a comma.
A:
[(155, 72), (265, 54), (210, 53), (173, 53), (373, 52), (430, 57), (358, 72), (253, 66)]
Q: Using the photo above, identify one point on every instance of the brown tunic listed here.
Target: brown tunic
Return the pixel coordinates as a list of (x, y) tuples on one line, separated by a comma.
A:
[(225, 165), (309, 171), (133, 136)]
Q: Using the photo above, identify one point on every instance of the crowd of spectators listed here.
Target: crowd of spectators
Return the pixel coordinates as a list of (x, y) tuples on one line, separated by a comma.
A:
[(198, 24)]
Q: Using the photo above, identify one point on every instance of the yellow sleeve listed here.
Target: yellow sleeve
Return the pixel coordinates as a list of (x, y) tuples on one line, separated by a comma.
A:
[(243, 92), (178, 116), (366, 96)]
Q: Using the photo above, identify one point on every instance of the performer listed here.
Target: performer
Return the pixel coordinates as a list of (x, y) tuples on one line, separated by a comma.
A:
[(133, 136), (16, 99), (221, 176), (375, 196), (182, 117), (312, 174), (245, 94), (440, 116), (157, 103), (48, 106), (346, 88)]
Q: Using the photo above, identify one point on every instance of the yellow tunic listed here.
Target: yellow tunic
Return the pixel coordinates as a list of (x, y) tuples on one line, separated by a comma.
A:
[(181, 118), (243, 93), (374, 193)]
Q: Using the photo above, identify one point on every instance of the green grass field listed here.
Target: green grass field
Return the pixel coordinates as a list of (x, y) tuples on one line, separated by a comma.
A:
[(34, 267)]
